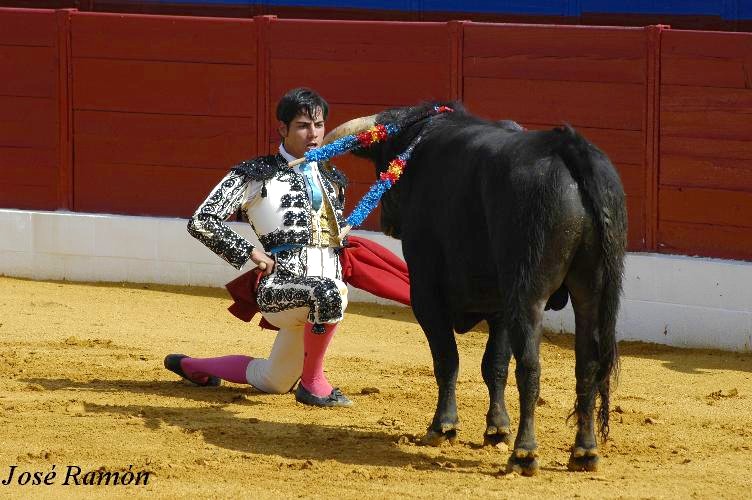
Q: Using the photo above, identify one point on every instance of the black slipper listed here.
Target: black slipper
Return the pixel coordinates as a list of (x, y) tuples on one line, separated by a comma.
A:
[(335, 398), (172, 363)]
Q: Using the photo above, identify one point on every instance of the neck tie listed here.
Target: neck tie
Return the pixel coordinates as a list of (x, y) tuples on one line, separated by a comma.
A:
[(313, 186)]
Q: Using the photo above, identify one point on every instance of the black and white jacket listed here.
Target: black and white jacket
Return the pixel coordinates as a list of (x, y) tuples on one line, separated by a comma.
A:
[(274, 199)]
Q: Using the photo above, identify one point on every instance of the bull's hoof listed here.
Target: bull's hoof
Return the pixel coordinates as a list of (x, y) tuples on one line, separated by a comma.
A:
[(447, 434), (523, 462), (583, 460), (496, 436)]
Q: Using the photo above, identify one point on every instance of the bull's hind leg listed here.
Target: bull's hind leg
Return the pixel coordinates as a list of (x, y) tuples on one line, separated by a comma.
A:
[(584, 456), (495, 369), (525, 337)]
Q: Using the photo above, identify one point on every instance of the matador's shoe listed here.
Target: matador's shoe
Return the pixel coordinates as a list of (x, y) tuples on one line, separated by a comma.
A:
[(335, 398), (172, 363)]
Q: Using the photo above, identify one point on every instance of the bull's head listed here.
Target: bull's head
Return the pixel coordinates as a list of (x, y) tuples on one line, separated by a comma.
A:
[(391, 221), (411, 121)]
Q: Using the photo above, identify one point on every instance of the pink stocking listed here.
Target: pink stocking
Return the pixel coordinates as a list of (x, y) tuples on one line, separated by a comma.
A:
[(315, 345), (231, 368)]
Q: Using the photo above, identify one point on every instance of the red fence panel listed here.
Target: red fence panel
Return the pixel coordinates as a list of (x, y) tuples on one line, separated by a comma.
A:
[(705, 183), (593, 78), (143, 114), (360, 68), (162, 107), (29, 106)]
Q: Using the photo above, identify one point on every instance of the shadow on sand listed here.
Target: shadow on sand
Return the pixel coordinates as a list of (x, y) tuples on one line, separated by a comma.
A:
[(220, 426), (178, 389)]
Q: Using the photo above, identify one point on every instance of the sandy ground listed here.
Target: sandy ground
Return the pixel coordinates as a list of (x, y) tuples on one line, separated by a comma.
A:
[(82, 384)]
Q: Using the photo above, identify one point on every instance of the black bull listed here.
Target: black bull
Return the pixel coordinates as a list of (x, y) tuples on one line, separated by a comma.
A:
[(494, 223)]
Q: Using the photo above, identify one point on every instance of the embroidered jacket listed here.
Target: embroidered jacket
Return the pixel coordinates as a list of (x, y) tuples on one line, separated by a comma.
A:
[(274, 198)]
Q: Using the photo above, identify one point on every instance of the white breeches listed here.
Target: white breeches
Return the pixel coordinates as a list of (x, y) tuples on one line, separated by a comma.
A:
[(278, 373)]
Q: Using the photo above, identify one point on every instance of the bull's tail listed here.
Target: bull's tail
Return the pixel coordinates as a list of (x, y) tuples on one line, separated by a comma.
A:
[(603, 197)]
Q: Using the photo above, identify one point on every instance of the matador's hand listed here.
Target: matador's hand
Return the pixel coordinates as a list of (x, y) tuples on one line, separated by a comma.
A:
[(263, 261)]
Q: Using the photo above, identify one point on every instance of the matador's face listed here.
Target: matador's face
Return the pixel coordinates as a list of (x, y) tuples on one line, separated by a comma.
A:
[(303, 133)]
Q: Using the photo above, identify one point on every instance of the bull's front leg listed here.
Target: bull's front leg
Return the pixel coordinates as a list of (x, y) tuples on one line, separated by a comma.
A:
[(445, 368), (495, 370), (430, 308)]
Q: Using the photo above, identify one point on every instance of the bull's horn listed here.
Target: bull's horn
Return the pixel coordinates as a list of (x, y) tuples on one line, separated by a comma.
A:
[(351, 127)]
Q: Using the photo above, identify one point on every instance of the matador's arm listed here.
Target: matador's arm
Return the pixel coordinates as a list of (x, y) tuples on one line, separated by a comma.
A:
[(208, 223)]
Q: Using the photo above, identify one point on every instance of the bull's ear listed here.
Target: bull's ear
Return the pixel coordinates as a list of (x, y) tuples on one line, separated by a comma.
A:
[(350, 127)]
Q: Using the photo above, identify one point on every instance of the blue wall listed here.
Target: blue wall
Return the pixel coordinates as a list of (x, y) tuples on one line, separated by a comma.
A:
[(726, 9)]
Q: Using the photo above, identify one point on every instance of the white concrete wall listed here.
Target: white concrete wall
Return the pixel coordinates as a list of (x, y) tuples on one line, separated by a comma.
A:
[(674, 300)]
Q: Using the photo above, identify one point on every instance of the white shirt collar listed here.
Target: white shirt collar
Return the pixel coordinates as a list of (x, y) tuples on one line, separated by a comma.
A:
[(287, 156)]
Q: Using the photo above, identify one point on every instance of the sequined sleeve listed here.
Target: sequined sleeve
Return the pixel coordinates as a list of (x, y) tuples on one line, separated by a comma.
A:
[(208, 223)]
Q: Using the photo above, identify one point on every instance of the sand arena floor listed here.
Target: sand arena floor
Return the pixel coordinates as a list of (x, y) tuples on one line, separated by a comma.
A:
[(82, 383)]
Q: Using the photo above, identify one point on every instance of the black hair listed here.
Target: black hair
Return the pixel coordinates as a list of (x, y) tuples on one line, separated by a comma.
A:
[(300, 100)]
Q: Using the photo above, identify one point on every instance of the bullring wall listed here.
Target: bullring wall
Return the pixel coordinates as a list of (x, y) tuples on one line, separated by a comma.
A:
[(141, 115), (668, 299)]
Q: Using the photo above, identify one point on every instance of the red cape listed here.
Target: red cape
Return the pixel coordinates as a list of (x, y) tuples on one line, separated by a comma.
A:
[(365, 265)]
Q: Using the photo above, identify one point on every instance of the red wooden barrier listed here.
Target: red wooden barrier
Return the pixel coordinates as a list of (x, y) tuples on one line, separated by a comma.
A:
[(29, 109), (162, 107), (706, 144)]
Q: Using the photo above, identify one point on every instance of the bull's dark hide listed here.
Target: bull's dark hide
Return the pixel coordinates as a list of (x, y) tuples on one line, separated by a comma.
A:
[(495, 222)]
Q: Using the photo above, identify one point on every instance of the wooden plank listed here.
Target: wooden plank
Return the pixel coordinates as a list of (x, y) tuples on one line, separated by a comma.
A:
[(22, 176), (706, 240), (163, 38), (712, 59), (707, 148), (34, 28), (164, 87), (28, 122), (705, 206), (707, 172), (706, 43), (16, 164), (28, 71), (360, 41), (376, 42), (142, 189), (151, 139), (28, 197), (28, 178), (582, 104), (340, 112), (715, 71), (596, 43), (704, 112), (372, 82), (557, 67)]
